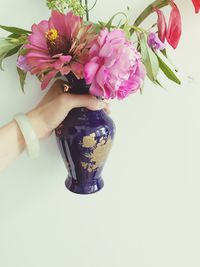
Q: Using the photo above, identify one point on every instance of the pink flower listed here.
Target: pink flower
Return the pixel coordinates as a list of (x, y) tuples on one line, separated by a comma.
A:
[(173, 31), (196, 4), (175, 26), (162, 25), (58, 46), (114, 68)]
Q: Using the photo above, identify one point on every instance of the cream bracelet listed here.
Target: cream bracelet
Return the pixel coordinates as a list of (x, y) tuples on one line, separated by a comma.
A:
[(30, 137)]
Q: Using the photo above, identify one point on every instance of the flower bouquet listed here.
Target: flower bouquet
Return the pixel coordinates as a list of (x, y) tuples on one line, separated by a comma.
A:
[(105, 59)]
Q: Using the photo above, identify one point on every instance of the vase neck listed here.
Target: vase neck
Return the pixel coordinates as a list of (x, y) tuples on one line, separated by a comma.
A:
[(77, 86)]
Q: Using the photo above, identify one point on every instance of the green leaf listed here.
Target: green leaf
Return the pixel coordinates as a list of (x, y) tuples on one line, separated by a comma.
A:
[(142, 89), (102, 23), (167, 71), (14, 30), (10, 46), (98, 27), (14, 35), (13, 51), (109, 24), (7, 49), (158, 83), (164, 52), (149, 59), (22, 78), (4, 43), (2, 56)]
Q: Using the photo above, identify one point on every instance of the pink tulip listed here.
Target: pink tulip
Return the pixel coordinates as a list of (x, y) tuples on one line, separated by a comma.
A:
[(162, 25), (174, 30), (196, 4)]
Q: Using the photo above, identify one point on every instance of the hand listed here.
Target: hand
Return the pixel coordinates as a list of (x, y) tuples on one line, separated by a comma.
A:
[(55, 106)]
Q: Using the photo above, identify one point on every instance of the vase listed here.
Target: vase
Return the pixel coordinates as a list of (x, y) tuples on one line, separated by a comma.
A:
[(84, 139)]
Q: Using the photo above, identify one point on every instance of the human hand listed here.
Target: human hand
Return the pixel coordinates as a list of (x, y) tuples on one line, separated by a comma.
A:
[(55, 106)]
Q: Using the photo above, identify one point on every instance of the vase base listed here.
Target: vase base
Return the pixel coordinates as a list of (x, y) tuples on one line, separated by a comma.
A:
[(84, 188)]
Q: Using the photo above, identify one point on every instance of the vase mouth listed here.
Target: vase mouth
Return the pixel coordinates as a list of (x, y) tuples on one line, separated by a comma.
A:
[(85, 110)]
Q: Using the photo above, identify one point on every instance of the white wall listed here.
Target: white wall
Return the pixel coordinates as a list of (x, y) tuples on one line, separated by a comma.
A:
[(148, 212)]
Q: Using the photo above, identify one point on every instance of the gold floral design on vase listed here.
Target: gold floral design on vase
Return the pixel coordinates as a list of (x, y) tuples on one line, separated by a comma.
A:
[(99, 149)]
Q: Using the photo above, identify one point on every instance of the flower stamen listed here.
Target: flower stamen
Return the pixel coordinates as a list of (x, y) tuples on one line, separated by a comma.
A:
[(52, 35)]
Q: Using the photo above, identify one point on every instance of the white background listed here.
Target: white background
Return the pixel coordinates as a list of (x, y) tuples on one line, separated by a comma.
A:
[(148, 213)]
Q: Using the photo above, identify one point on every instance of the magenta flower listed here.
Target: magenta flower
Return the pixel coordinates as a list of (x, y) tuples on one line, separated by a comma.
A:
[(58, 46), (22, 63), (154, 42), (114, 68)]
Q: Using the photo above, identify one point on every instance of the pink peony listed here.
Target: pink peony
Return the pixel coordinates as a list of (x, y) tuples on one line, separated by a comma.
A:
[(58, 46), (114, 68)]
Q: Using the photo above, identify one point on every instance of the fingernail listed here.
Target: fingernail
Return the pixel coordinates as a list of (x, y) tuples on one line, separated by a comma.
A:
[(101, 105)]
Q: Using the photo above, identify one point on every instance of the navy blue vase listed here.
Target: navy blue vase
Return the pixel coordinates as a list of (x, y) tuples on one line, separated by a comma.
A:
[(84, 139)]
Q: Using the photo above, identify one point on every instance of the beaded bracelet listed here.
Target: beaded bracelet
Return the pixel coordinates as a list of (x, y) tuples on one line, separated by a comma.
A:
[(30, 137)]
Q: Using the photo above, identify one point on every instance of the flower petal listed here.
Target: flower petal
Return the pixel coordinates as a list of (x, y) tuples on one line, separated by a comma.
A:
[(90, 70), (77, 69), (162, 25), (196, 4), (96, 90), (47, 78), (57, 21), (65, 70), (174, 27)]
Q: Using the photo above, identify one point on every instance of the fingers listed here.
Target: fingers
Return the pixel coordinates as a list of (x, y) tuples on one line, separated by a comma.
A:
[(107, 108), (90, 102), (70, 101), (55, 90)]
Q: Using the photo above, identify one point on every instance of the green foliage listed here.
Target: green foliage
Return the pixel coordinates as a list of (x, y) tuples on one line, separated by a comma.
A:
[(22, 77), (62, 5), (149, 59), (153, 62), (110, 22), (14, 30), (167, 71), (10, 46), (6, 47)]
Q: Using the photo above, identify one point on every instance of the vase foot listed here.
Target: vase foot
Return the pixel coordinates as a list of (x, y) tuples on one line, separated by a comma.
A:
[(84, 188)]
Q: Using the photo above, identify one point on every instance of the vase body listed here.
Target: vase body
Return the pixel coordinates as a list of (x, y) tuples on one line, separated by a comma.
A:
[(84, 139)]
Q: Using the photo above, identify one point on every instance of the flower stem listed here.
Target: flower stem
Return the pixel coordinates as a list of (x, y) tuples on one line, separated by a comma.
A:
[(86, 10), (148, 11)]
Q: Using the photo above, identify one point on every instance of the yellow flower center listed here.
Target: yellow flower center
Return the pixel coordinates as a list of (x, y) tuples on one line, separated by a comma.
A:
[(56, 43), (52, 35)]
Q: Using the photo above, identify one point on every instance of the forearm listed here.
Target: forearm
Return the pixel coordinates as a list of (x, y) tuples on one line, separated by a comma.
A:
[(43, 119), (12, 144)]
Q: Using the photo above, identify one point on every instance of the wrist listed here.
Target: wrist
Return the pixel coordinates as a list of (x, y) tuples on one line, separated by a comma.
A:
[(38, 124)]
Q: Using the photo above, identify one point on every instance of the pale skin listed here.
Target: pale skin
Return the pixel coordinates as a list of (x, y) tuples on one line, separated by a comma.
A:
[(44, 118)]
